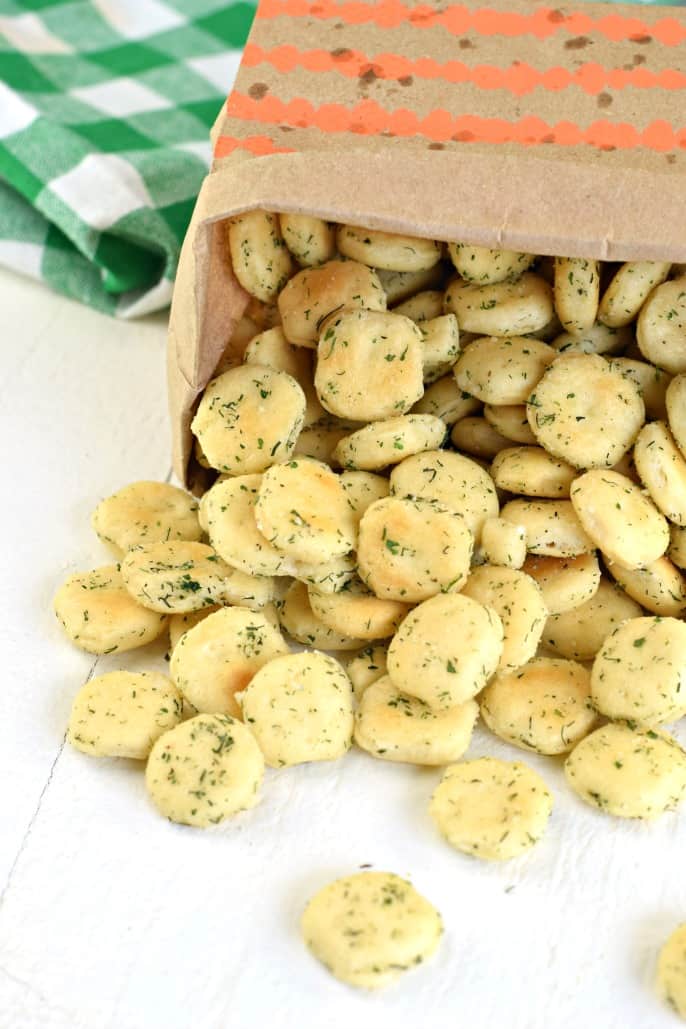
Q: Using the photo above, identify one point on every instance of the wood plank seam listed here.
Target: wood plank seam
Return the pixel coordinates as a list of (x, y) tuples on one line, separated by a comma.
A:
[(36, 812)]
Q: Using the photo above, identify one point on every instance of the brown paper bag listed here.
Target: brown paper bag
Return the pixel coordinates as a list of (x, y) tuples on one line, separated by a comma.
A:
[(551, 130)]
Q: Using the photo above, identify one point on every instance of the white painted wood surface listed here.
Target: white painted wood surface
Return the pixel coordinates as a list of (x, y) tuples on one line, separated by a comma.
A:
[(112, 918)]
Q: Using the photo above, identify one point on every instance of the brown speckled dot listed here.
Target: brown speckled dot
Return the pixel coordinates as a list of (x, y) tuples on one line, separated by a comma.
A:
[(258, 90)]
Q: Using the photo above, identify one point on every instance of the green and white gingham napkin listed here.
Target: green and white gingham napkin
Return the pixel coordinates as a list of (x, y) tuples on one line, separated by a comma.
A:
[(105, 110)]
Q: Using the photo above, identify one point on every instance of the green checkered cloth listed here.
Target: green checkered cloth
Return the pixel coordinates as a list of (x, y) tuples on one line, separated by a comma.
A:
[(105, 110)]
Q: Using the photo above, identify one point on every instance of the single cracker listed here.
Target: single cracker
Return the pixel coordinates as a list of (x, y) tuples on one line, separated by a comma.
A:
[(502, 370), (491, 809), (662, 469), (217, 658), (446, 650), (387, 250), (249, 418), (619, 518), (670, 979), (597, 339), (477, 437), (518, 601), (389, 442), (259, 257), (121, 714), (204, 771), (651, 382), (356, 612), (303, 511), (510, 308), (445, 400), (146, 512), (312, 241), (565, 582), (544, 706), (486, 266), (533, 472), (628, 772), (511, 422), (369, 365), (503, 543), (440, 345), (100, 616), (630, 287), (581, 632), (661, 326), (369, 928), (552, 527), (422, 307), (585, 412), (659, 587), (300, 708), (367, 667), (577, 292), (411, 549), (175, 577), (639, 672), (395, 727)]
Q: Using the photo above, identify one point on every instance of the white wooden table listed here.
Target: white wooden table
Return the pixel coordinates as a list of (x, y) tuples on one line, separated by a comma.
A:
[(112, 918)]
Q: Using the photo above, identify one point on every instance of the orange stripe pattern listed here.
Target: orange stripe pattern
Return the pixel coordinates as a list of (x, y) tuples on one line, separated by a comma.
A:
[(519, 79), (369, 119), (257, 145), (458, 19)]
